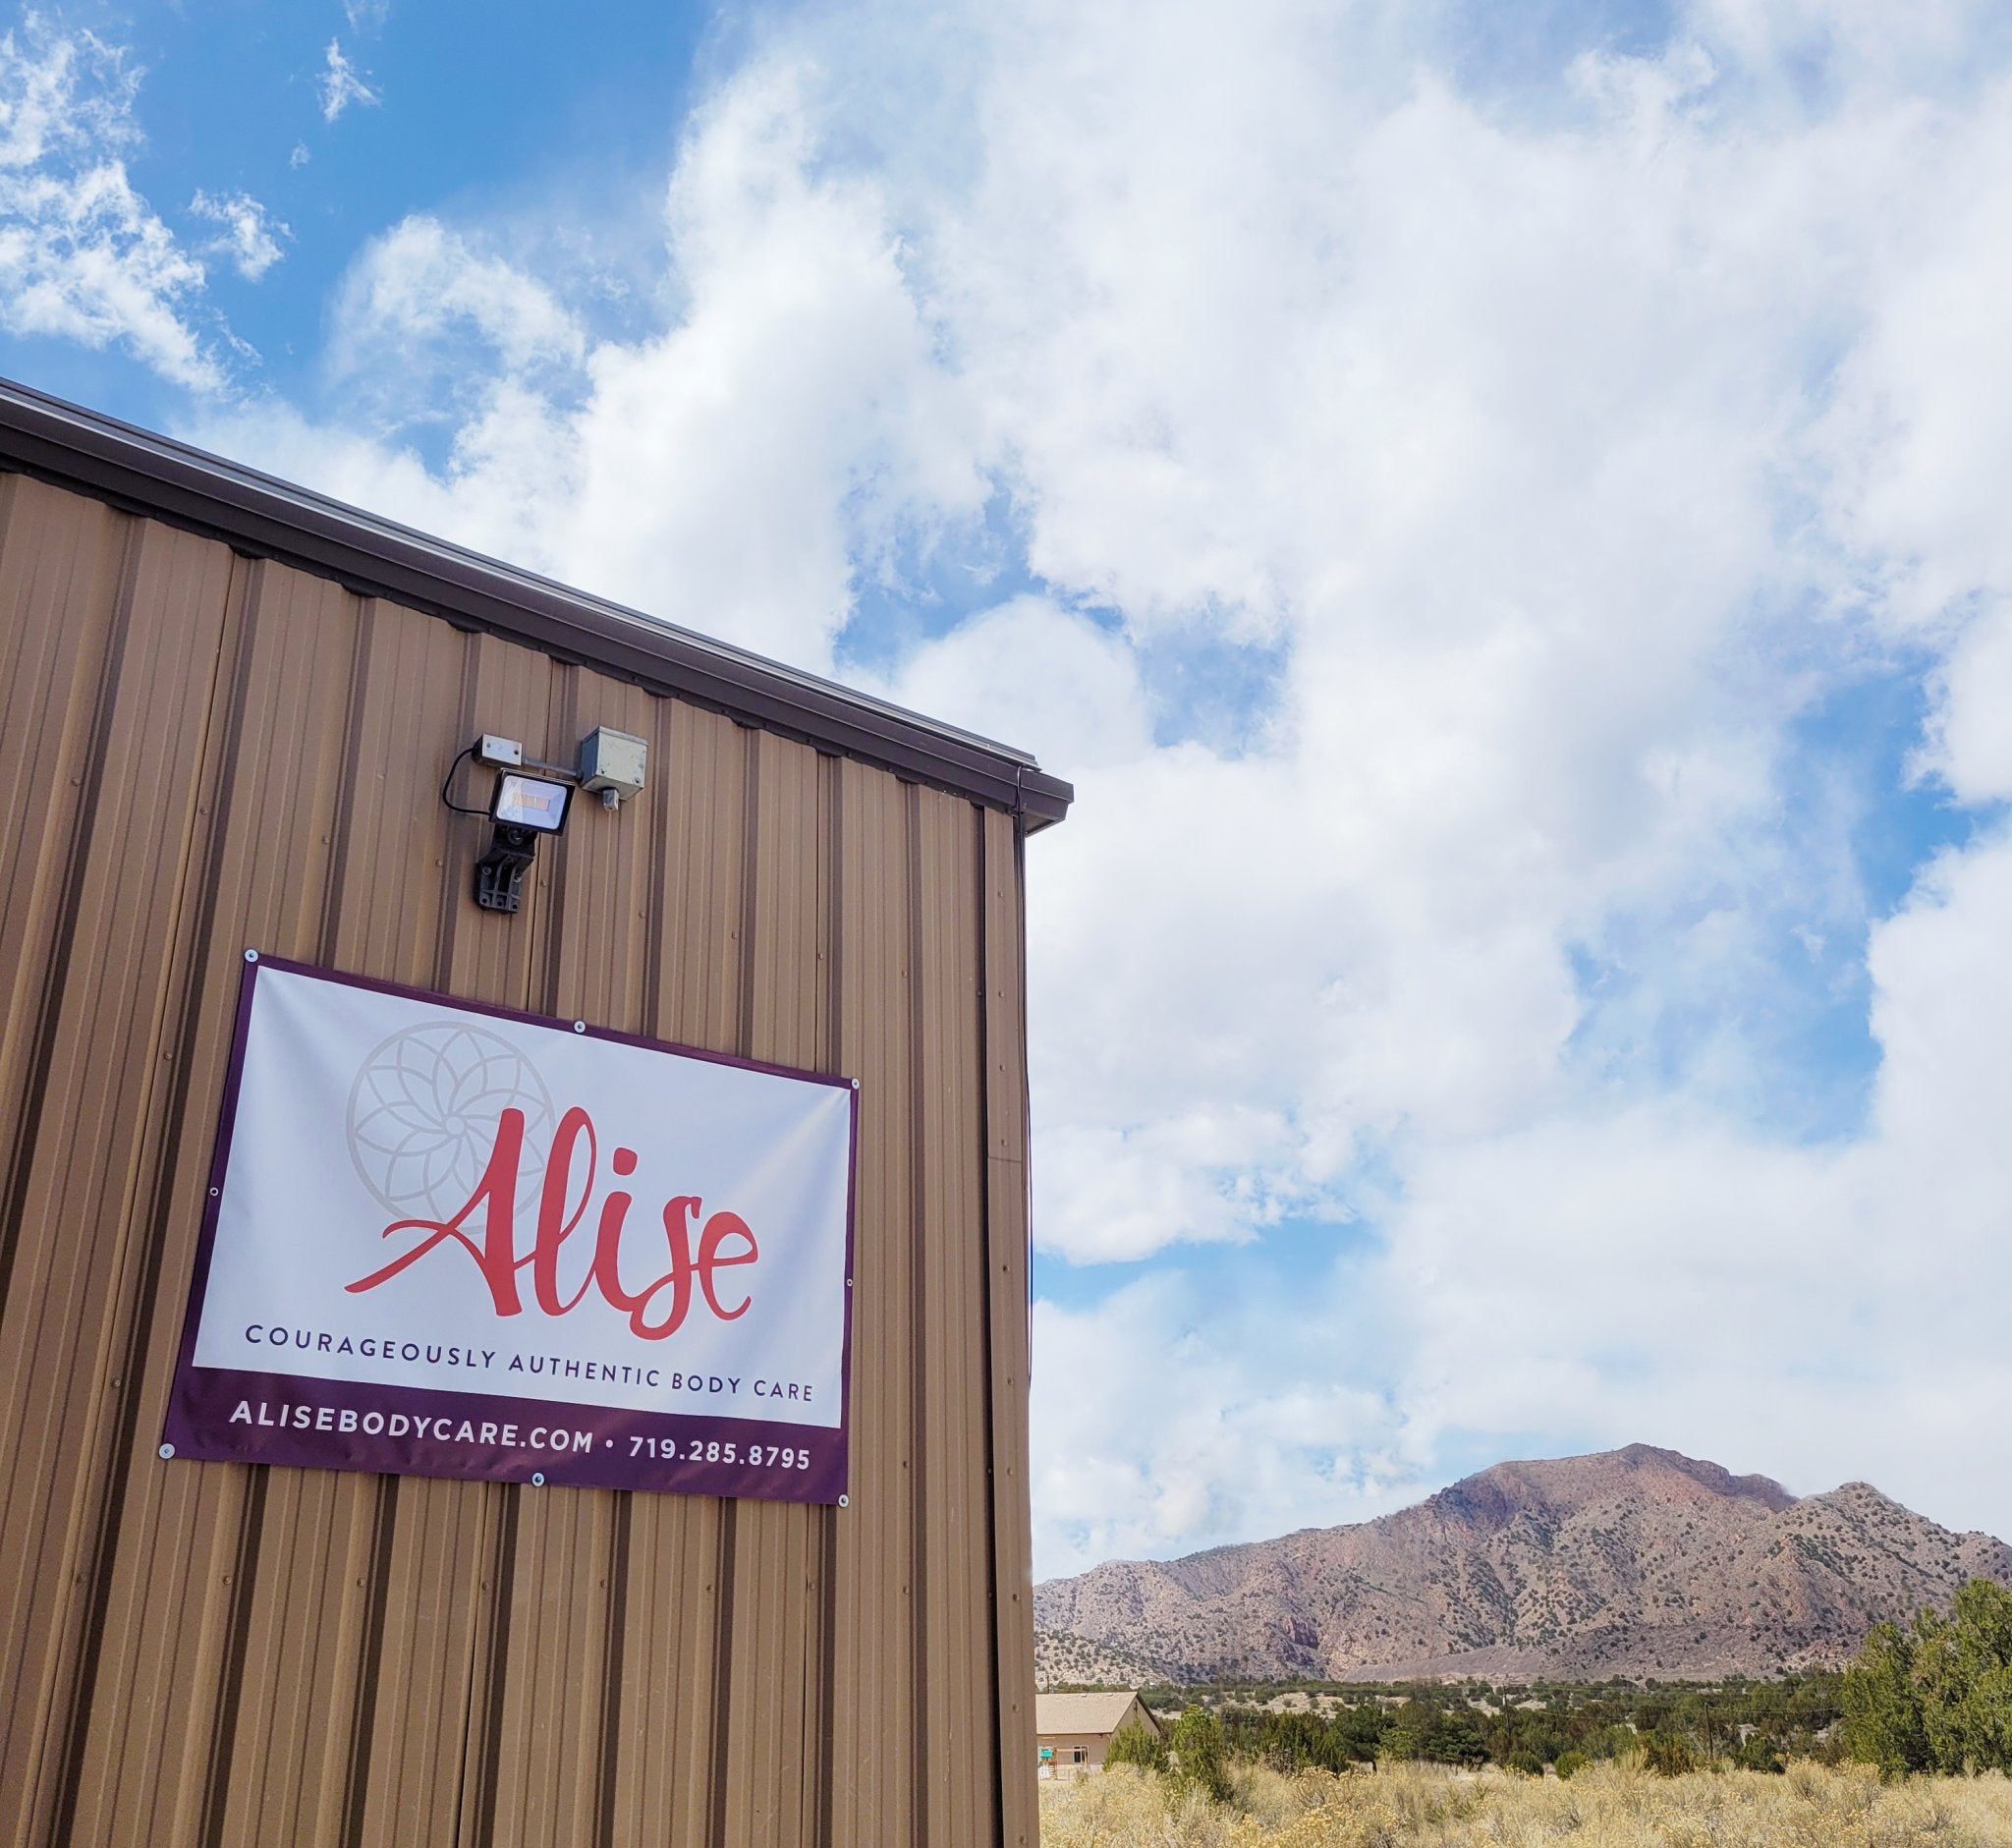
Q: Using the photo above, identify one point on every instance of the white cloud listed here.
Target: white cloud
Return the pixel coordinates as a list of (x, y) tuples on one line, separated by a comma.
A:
[(1514, 438), (250, 240), (1548, 469), (367, 15), (1662, 1275), (421, 284), (1651, 1273), (726, 470), (83, 256), (1052, 682), (1169, 1419), (340, 85)]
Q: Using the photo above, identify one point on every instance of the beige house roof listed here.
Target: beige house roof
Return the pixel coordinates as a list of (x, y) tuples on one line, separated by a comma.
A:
[(1085, 1713)]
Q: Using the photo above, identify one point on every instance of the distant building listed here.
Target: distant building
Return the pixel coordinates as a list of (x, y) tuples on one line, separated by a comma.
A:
[(1075, 1730)]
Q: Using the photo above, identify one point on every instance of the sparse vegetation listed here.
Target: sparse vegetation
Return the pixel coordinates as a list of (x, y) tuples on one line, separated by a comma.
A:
[(1934, 1698), (1604, 1805), (1068, 1664), (1522, 1727)]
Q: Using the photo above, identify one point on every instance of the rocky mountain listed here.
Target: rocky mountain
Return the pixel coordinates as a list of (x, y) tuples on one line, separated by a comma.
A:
[(1061, 1660), (1632, 1562)]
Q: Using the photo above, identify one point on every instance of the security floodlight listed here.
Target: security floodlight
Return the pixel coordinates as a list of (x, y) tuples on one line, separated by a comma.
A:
[(531, 801), (523, 807)]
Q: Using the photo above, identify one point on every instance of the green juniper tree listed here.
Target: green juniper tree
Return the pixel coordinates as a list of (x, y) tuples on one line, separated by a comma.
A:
[(1936, 1696), (1137, 1744), (1196, 1759), (1882, 1705)]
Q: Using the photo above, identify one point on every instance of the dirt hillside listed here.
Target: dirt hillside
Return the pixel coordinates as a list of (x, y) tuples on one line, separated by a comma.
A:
[(1637, 1561)]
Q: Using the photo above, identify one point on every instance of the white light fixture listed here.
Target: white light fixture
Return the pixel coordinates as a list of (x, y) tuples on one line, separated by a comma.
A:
[(523, 807), (530, 801)]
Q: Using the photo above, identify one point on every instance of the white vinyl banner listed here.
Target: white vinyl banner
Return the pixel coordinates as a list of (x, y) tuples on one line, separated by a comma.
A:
[(431, 1220)]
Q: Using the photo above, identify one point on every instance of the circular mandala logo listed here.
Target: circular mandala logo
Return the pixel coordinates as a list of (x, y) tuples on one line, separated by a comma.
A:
[(424, 1114)]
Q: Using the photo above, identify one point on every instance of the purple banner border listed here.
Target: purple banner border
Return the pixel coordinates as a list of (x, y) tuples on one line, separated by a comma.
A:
[(221, 1414), (200, 1424)]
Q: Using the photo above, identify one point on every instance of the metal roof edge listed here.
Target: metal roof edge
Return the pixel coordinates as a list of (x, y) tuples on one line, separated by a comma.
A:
[(263, 516)]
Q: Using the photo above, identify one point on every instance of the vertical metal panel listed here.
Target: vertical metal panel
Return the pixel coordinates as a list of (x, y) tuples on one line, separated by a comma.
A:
[(875, 1746), (669, 1585), (949, 1107), (394, 911), (61, 555), (1006, 1258), (228, 752), (774, 1628), (83, 1191), (270, 781)]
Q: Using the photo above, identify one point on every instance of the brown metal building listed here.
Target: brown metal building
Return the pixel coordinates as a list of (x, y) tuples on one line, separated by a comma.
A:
[(225, 710)]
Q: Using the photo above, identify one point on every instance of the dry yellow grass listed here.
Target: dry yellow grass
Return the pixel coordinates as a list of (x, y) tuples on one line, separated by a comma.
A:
[(1604, 1806)]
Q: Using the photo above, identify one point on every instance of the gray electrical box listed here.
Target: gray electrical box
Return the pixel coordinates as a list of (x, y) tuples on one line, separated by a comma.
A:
[(612, 763)]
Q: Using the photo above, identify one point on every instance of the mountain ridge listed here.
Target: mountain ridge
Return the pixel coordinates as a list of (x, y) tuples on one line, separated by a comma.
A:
[(1638, 1561)]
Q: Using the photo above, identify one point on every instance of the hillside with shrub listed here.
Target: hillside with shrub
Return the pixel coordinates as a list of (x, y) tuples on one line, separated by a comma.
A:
[(1633, 1563)]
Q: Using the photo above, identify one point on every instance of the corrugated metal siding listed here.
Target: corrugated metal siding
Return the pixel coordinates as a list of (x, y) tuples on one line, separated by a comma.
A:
[(206, 752)]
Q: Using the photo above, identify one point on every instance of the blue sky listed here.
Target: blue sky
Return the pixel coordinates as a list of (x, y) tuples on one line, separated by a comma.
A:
[(1496, 509), (471, 109)]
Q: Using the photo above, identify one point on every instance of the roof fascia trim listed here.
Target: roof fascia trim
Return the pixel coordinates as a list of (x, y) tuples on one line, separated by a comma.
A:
[(261, 516)]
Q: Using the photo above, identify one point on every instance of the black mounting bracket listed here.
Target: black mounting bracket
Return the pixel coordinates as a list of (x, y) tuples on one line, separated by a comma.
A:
[(499, 874)]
